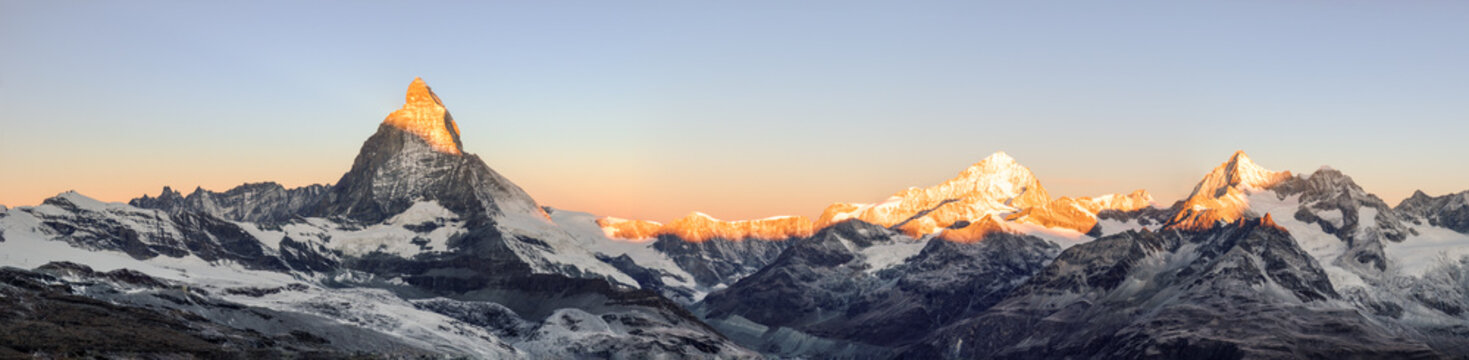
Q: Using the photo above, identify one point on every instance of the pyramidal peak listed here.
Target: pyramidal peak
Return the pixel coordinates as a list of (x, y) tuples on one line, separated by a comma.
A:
[(1240, 170), (424, 115)]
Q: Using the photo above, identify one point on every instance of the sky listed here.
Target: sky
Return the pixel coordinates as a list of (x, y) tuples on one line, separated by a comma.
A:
[(651, 110)]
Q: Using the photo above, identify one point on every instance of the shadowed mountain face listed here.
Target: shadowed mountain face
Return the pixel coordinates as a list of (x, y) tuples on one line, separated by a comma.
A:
[(1449, 211), (422, 250), (1239, 290), (264, 203), (395, 169), (835, 286)]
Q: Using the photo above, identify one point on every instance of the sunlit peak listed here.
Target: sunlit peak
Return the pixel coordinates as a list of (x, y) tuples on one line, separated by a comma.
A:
[(423, 114)]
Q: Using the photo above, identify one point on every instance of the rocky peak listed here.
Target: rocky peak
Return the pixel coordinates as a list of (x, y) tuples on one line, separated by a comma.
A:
[(1268, 221), (415, 156), (1450, 211), (1241, 172), (424, 115), (1221, 195), (166, 200)]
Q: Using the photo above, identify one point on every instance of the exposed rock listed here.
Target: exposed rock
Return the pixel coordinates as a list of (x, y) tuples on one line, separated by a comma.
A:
[(1239, 290), (828, 290), (1449, 211)]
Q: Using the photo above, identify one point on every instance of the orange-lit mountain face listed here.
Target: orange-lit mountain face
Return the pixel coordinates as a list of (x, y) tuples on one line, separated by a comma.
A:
[(699, 227), (976, 230), (981, 199), (1080, 214), (423, 114), (617, 228), (996, 184), (1222, 195)]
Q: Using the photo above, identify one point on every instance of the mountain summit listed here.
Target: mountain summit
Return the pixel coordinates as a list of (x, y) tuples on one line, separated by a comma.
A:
[(994, 185), (423, 114), (1222, 195), (416, 156)]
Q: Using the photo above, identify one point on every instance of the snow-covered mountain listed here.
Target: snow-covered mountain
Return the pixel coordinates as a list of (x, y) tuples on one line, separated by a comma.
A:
[(422, 250), (1254, 263), (996, 185), (861, 290), (1242, 289), (419, 249), (994, 193)]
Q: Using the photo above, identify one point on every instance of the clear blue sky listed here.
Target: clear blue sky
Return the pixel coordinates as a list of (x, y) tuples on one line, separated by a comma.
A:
[(747, 109)]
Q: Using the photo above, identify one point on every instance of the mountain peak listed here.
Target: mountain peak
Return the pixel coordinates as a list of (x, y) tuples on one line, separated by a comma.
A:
[(996, 184), (1220, 196), (997, 164), (1240, 170), (424, 115), (999, 157)]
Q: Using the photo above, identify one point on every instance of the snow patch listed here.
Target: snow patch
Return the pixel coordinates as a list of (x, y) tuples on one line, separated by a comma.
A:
[(271, 239), (1433, 247), (584, 230), (887, 255), (555, 249), (1113, 226), (1325, 248), (1065, 238)]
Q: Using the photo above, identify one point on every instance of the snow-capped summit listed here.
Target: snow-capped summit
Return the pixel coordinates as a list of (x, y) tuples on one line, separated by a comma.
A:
[(1241, 171), (995, 185), (1222, 194), (423, 114), (415, 156)]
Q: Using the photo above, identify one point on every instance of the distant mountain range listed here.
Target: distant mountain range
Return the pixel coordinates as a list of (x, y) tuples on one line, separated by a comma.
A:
[(422, 250)]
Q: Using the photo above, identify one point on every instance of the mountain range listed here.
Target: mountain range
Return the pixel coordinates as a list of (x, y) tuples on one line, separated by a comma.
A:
[(423, 250)]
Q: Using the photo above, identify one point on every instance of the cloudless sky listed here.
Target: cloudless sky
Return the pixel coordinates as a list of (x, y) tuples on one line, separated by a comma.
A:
[(739, 109)]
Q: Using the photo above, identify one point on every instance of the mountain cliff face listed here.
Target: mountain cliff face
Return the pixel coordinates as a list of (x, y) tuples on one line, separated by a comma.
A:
[(1449, 211), (1220, 197), (263, 203)]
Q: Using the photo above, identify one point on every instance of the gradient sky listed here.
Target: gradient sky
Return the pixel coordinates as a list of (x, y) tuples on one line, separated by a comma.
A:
[(740, 109)]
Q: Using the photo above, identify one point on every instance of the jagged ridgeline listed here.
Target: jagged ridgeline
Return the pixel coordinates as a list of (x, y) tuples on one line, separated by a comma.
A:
[(422, 250)]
